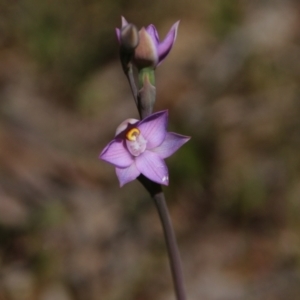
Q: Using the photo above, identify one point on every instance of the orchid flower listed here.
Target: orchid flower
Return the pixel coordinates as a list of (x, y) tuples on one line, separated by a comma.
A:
[(150, 52), (140, 147)]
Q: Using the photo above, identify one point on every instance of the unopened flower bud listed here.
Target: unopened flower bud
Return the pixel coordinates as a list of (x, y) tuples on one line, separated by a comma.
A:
[(149, 51), (145, 54), (129, 37)]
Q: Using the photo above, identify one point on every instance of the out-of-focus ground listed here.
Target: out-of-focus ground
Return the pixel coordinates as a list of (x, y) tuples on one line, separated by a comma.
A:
[(232, 82)]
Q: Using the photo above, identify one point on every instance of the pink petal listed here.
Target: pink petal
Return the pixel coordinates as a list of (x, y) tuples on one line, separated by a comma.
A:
[(171, 144), (124, 22), (127, 174), (153, 167), (166, 45), (153, 128), (153, 33), (118, 34), (146, 51), (117, 154), (124, 125), (118, 31)]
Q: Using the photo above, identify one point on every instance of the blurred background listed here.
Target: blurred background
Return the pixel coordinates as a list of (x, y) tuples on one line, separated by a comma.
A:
[(68, 232)]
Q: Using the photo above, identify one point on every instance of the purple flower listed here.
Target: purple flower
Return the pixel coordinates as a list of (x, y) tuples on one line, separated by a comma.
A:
[(150, 52), (140, 147)]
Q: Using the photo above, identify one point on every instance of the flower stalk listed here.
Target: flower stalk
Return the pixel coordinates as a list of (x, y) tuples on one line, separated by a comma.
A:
[(147, 92), (157, 194), (140, 147), (146, 102)]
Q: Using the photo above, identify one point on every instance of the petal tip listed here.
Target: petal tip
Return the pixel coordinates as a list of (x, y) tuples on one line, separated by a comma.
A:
[(175, 27), (167, 44), (161, 113), (102, 153), (165, 180), (176, 24), (124, 21), (121, 184), (126, 175)]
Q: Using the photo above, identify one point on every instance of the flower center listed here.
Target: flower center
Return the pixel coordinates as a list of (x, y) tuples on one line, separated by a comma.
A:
[(132, 134), (136, 144)]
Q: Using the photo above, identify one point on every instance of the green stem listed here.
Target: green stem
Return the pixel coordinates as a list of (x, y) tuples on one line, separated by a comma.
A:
[(146, 72), (147, 92)]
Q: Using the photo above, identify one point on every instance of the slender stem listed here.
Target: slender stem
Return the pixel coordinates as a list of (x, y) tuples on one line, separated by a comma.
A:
[(147, 93), (125, 58), (130, 77), (144, 99), (174, 257), (172, 246)]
